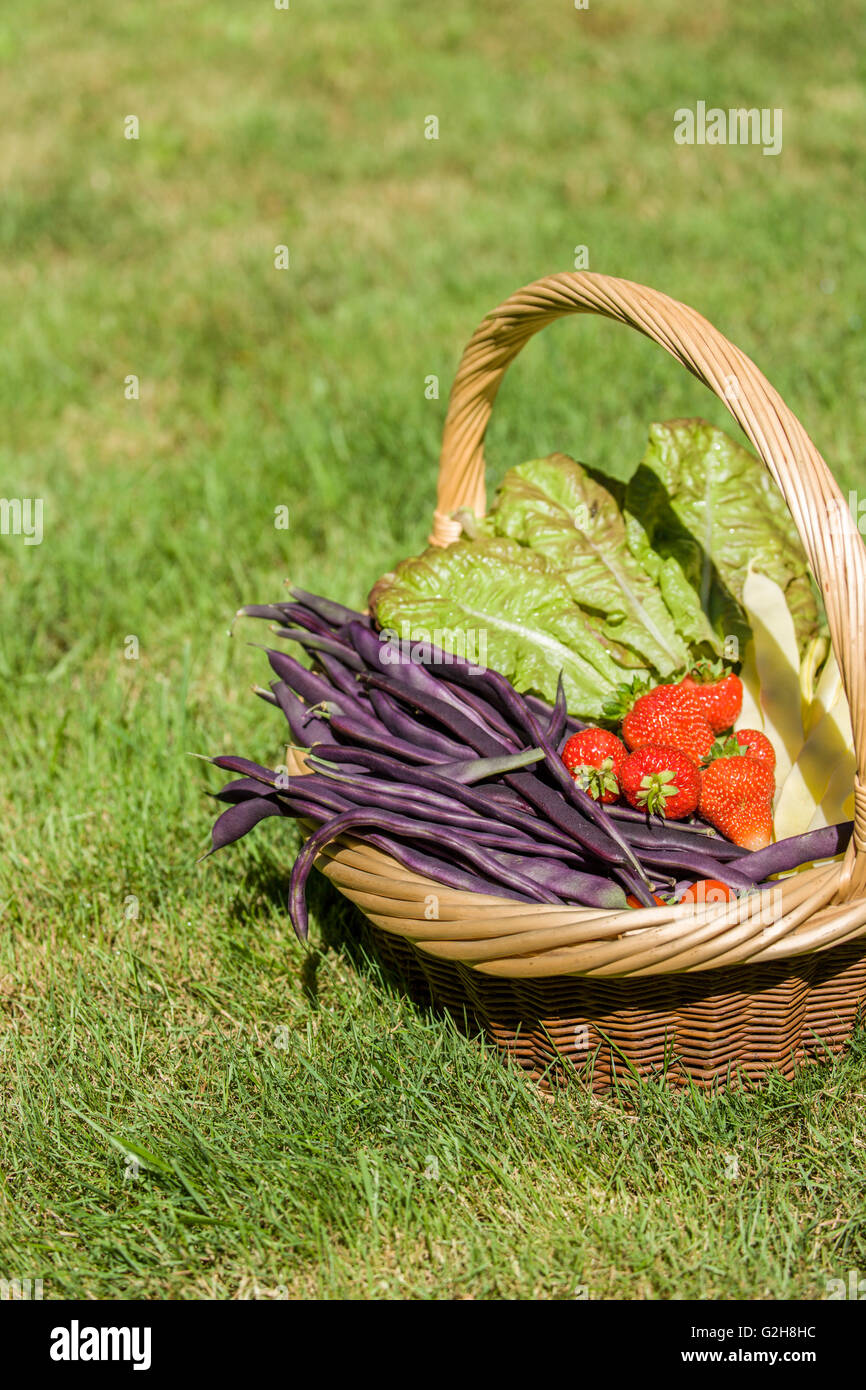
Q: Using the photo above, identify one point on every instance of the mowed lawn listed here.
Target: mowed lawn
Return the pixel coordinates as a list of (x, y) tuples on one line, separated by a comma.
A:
[(194, 1105)]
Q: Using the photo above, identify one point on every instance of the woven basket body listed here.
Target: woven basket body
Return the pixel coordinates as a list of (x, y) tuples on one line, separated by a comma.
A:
[(713, 1028), (716, 996)]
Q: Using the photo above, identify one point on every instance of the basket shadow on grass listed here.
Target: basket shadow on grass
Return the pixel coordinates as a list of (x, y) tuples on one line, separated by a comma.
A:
[(341, 927)]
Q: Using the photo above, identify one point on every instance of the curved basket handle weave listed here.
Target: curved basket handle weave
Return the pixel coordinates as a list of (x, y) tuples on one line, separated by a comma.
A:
[(822, 517)]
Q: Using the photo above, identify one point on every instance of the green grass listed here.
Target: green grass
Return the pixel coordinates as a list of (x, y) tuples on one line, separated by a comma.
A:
[(291, 1103)]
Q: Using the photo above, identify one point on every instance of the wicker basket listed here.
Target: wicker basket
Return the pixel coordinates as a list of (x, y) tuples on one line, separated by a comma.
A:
[(719, 996)]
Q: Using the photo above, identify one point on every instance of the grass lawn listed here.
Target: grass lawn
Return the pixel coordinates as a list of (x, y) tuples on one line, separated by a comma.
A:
[(299, 1128)]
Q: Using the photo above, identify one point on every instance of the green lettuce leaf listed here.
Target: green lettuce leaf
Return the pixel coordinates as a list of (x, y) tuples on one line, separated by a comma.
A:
[(502, 605), (705, 505), (642, 603), (572, 571)]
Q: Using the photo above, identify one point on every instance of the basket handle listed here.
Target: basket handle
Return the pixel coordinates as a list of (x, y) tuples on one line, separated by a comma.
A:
[(822, 517)]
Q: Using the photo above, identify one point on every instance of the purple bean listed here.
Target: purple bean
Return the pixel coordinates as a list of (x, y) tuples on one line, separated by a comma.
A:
[(389, 713), (662, 883), (586, 805), (279, 792), (361, 732), (542, 710), (460, 671), (271, 611), (702, 865), (477, 857), (556, 810), (577, 834), (342, 679), (347, 759), (441, 870), (414, 676), (788, 854), (308, 809), (284, 613), (662, 834), (312, 688), (294, 614), (241, 789), (305, 726), (365, 757), (335, 614), (690, 827), (327, 799), (409, 729), (557, 814), (444, 712), (555, 728), (370, 791), (245, 767), (504, 795), (589, 889), (277, 784), (429, 778), (508, 699), (313, 642), (553, 808), (498, 691), (470, 770), (638, 887), (574, 825), (315, 689), (470, 702), (526, 831), (238, 820)]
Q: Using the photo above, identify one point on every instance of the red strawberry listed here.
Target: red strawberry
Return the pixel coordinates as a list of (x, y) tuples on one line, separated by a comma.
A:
[(662, 780), (745, 743), (594, 758), (737, 798), (738, 780), (719, 693), (757, 745), (669, 714), (707, 891), (750, 827)]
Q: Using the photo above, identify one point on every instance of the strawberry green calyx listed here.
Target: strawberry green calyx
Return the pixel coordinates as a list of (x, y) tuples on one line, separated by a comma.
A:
[(757, 745), (597, 780), (708, 672), (655, 790), (727, 747), (620, 701), (745, 743)]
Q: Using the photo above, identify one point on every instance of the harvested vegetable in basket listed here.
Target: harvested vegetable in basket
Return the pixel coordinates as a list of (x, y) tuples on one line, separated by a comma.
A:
[(592, 580), (455, 775)]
